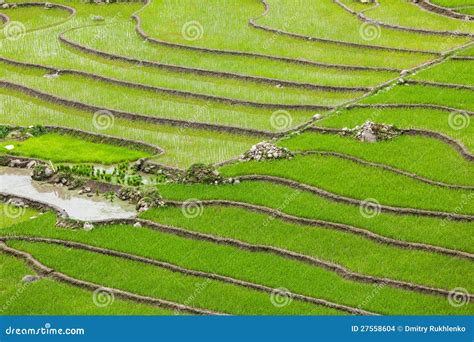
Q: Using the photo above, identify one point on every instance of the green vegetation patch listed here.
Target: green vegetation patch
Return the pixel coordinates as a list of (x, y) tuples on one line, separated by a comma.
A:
[(66, 148)]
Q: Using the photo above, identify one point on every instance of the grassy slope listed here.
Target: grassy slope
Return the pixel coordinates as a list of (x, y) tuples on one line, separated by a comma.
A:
[(420, 155), (59, 56), (452, 71), (209, 257), (65, 148), (160, 283), (455, 98), (353, 180), (218, 33), (335, 23), (427, 119), (353, 252), (47, 297), (33, 18), (389, 12), (152, 104), (445, 233), (183, 145), (11, 215)]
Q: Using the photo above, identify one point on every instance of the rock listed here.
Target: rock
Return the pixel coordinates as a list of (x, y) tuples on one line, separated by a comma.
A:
[(97, 18), (64, 181), (53, 75), (372, 132), (236, 181), (202, 173), (142, 206), (31, 164), (42, 172), (317, 117), (266, 151), (16, 202), (28, 279), (48, 172), (48, 5), (5, 6), (404, 73), (14, 135), (88, 226), (137, 225), (9, 147), (15, 163), (33, 217)]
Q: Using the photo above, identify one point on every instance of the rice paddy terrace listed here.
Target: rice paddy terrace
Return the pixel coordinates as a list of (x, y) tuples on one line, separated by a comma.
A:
[(251, 157)]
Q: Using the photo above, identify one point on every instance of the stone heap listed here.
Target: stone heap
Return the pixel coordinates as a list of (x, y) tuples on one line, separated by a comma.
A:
[(266, 151), (372, 132)]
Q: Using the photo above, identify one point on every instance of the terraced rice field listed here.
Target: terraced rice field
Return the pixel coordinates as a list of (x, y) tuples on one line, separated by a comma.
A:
[(134, 179)]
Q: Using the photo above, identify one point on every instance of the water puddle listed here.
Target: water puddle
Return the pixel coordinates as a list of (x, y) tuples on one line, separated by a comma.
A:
[(18, 182)]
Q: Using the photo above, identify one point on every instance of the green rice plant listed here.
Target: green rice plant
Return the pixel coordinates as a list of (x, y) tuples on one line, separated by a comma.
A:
[(451, 71), (66, 148), (419, 118), (335, 23), (413, 16), (205, 256), (446, 233), (435, 160), (163, 284), (35, 298), (183, 145), (349, 179), (424, 94), (349, 250)]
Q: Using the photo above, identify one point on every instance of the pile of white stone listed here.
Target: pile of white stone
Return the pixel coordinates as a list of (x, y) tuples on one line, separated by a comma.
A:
[(372, 132), (266, 151)]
